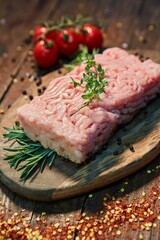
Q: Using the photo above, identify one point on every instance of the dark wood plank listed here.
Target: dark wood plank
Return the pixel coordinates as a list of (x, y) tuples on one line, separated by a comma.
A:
[(123, 25), (12, 45), (72, 8), (119, 21), (146, 32)]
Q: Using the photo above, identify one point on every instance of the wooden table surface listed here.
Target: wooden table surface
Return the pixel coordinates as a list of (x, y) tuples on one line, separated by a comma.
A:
[(127, 24)]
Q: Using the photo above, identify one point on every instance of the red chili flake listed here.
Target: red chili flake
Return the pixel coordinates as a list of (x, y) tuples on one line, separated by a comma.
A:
[(77, 217), (117, 217)]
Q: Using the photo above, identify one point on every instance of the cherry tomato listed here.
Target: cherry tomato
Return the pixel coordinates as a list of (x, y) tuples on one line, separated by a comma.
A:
[(45, 53), (67, 42), (39, 30), (80, 35), (91, 36)]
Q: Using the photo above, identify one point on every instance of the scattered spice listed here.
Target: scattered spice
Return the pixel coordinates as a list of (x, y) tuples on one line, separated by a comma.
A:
[(27, 40), (13, 60), (142, 39), (15, 80), (119, 25), (140, 236), (122, 190), (31, 78), (22, 79), (39, 82), (26, 97), (28, 75), (43, 213), (33, 66), (39, 90), (30, 97), (125, 45), (151, 26), (59, 71), (19, 48), (1, 111), (31, 32), (5, 55), (90, 196), (105, 225), (30, 53), (118, 232), (126, 183), (143, 194), (2, 21), (24, 92), (44, 88)]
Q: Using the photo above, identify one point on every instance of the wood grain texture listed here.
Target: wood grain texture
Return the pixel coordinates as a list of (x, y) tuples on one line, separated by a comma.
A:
[(67, 179), (146, 32), (123, 22), (11, 35)]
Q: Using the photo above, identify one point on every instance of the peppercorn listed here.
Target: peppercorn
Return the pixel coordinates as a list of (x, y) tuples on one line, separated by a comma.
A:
[(24, 92), (30, 97), (13, 60), (44, 88), (38, 83)]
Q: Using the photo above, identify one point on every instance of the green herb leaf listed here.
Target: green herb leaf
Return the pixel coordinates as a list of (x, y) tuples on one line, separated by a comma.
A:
[(28, 156), (94, 77), (79, 57)]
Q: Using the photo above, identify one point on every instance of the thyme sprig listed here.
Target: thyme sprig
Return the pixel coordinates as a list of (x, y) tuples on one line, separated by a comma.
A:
[(27, 155), (95, 82), (79, 57)]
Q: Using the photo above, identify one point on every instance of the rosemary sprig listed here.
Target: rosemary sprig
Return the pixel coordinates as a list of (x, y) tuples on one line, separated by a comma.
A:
[(95, 82), (28, 155)]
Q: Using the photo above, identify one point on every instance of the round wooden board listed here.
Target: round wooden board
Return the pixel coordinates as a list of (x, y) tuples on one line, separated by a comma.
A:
[(67, 179)]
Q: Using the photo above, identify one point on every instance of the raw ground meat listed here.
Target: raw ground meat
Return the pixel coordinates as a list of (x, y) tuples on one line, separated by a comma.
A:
[(48, 118)]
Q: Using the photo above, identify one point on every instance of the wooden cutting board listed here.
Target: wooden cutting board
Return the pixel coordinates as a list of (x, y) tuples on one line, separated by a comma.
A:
[(67, 179)]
